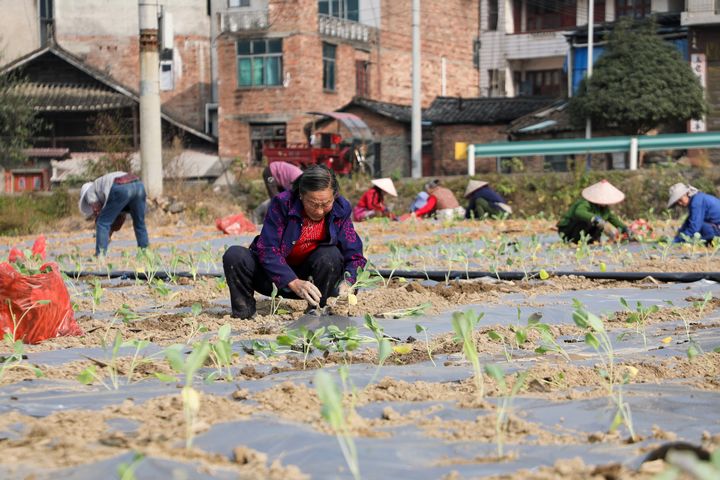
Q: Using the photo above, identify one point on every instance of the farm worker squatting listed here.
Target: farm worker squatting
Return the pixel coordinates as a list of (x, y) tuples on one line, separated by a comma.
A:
[(703, 212), (483, 200), (307, 234), (441, 202), (107, 200), (591, 214), (278, 178), (372, 203)]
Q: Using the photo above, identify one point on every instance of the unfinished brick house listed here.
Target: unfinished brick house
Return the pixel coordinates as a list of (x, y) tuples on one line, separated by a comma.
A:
[(278, 60)]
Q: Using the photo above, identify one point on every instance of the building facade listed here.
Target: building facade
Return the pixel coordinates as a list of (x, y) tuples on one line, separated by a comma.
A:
[(278, 60), (523, 49), (104, 35)]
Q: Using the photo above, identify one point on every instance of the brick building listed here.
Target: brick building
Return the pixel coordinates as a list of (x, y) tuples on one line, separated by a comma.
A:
[(277, 60)]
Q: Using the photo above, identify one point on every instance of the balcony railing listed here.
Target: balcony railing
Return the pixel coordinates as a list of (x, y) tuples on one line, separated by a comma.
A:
[(344, 29), (245, 20)]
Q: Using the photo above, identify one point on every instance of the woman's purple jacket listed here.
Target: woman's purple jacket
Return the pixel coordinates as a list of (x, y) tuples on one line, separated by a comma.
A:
[(281, 230)]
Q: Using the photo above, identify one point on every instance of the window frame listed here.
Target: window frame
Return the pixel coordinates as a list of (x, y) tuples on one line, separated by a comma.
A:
[(344, 9), (240, 3), (634, 11), (262, 59), (329, 67)]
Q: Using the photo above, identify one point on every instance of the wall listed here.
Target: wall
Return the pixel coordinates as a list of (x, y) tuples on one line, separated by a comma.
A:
[(445, 137), (19, 29), (104, 33)]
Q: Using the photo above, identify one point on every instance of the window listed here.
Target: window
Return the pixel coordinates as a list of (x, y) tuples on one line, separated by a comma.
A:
[(476, 53), (270, 135), (492, 15), (362, 81), (46, 20), (329, 66), (632, 8), (238, 3), (545, 15), (347, 9), (496, 83), (259, 62), (550, 83)]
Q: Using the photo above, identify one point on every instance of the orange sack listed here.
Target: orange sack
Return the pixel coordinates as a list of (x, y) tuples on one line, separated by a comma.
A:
[(36, 307), (235, 224)]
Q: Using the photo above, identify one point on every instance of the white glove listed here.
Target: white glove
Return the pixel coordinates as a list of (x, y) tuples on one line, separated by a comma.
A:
[(306, 290)]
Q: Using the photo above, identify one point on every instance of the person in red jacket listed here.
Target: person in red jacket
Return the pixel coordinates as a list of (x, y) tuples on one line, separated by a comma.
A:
[(372, 203)]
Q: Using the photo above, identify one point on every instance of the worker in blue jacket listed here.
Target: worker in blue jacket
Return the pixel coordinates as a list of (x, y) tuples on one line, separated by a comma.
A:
[(703, 212)]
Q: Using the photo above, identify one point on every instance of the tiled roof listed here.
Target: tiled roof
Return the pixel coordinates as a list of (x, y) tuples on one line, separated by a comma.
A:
[(47, 97), (47, 152), (482, 111), (401, 113), (551, 119)]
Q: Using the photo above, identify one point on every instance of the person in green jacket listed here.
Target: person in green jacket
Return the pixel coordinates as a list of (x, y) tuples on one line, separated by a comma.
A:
[(591, 215)]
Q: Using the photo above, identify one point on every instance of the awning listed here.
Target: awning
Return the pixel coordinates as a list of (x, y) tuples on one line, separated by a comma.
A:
[(357, 127)]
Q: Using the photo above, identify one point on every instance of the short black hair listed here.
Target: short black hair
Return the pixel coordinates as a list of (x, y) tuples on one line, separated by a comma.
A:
[(314, 179)]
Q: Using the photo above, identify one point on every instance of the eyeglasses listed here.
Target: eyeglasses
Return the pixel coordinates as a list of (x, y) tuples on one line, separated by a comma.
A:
[(318, 205)]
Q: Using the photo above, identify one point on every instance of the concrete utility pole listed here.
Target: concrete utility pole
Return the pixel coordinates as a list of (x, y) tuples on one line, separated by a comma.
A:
[(150, 122), (416, 143), (591, 41)]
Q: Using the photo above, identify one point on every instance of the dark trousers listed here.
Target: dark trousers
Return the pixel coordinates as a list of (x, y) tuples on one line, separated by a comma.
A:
[(245, 276), (571, 233)]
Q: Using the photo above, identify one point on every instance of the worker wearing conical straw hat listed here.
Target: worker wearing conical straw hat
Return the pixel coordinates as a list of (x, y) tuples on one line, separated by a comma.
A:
[(591, 215), (483, 201), (703, 212), (372, 203)]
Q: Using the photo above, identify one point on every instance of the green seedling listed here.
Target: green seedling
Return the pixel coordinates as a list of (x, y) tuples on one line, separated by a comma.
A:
[(464, 324), (15, 359), (275, 301), (189, 367), (189, 261), (208, 256), (221, 284), (508, 395), (160, 288), (195, 326), (333, 412), (597, 337), (623, 415), (221, 355), (126, 471), (418, 329), (702, 304), (303, 340), (16, 322), (90, 375), (97, 293), (126, 314), (496, 336), (407, 312), (639, 316), (151, 263), (384, 346)]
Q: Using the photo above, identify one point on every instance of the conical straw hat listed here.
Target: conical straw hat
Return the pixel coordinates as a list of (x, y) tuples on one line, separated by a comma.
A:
[(474, 185), (603, 193), (386, 185)]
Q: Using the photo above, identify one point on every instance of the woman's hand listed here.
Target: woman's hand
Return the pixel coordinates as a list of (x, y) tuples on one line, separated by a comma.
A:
[(306, 290)]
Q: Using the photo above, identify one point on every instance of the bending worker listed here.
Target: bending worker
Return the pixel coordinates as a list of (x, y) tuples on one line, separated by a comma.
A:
[(441, 202), (108, 200), (372, 203), (703, 212), (308, 247), (591, 214), (483, 200), (278, 177)]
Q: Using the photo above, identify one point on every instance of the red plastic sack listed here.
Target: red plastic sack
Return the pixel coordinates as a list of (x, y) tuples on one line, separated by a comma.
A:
[(25, 310), (235, 224)]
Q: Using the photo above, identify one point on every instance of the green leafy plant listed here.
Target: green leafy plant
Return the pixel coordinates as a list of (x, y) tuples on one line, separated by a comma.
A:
[(508, 395), (15, 359), (597, 337), (97, 293), (221, 354), (126, 471), (275, 301), (196, 327), (639, 316), (383, 343), (464, 324), (407, 312), (303, 340), (189, 367), (418, 329), (333, 412)]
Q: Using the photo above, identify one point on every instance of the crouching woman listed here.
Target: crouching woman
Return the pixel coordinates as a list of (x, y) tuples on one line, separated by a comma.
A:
[(308, 247)]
